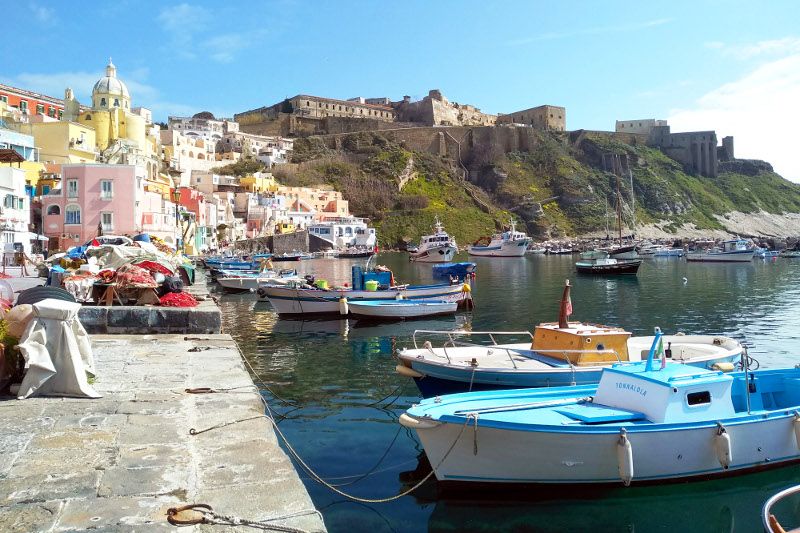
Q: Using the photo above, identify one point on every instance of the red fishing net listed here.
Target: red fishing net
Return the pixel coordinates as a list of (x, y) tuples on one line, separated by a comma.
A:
[(178, 299)]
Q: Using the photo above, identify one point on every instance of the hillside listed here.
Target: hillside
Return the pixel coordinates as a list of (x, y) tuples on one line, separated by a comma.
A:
[(558, 189)]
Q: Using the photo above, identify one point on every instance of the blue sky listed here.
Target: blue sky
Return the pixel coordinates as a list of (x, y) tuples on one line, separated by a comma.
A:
[(732, 66)]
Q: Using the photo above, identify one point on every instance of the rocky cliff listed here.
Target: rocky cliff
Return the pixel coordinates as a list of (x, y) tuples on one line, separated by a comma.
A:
[(563, 186)]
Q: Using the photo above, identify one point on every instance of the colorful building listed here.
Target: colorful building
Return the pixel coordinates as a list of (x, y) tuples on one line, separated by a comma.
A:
[(62, 141), (31, 103), (15, 210)]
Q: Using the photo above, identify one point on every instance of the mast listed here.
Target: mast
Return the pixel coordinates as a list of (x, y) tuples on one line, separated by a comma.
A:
[(633, 202), (619, 212)]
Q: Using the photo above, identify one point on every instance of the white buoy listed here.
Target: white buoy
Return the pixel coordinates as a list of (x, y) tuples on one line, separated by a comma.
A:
[(343, 307), (722, 447), (685, 280), (625, 457)]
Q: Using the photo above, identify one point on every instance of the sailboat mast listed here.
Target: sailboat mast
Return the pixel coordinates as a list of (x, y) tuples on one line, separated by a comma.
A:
[(619, 212), (633, 202)]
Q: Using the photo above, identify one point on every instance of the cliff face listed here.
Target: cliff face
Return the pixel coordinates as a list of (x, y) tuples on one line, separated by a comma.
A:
[(559, 188)]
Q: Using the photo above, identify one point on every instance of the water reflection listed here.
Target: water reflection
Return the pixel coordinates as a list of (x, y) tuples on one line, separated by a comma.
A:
[(339, 372)]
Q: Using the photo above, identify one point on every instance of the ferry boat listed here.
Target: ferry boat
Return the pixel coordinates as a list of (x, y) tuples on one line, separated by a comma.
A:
[(732, 251), (437, 248), (510, 243), (644, 422)]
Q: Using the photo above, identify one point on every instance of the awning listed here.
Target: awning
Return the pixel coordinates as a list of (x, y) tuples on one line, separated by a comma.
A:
[(37, 237)]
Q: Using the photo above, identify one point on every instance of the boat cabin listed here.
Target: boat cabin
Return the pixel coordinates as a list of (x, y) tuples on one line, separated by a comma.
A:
[(675, 394), (734, 245), (581, 344)]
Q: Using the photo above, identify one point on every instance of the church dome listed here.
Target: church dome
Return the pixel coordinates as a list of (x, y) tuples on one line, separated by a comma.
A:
[(109, 88)]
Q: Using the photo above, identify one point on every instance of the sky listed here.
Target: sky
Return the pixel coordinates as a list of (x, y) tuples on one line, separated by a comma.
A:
[(731, 66)]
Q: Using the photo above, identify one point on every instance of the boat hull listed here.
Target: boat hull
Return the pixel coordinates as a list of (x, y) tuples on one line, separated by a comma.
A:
[(398, 310), (249, 284), (435, 254), (506, 249), (621, 267), (745, 256), (296, 301), (580, 456)]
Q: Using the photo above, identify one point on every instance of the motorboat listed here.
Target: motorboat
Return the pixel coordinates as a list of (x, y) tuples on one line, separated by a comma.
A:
[(367, 284), (765, 253), (355, 253), (460, 270), (665, 251), (644, 422), (731, 251), (511, 243), (535, 250), (556, 354), (293, 256), (437, 248), (599, 263), (400, 309), (559, 250), (249, 283)]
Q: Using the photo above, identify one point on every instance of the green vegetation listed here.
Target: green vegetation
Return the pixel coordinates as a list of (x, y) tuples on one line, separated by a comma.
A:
[(242, 167), (559, 188)]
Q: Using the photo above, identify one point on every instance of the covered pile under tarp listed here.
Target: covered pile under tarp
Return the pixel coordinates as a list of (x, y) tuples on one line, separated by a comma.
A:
[(57, 351)]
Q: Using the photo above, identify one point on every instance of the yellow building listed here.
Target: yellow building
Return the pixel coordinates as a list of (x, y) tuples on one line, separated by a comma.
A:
[(260, 182), (122, 133), (62, 141)]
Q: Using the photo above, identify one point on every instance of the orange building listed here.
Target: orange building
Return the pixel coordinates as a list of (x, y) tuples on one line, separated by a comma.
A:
[(31, 103)]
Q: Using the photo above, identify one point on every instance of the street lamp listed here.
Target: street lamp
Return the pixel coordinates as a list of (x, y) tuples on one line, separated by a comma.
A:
[(176, 197)]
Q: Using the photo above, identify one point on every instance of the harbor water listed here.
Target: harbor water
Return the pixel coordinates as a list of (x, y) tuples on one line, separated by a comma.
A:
[(339, 398)]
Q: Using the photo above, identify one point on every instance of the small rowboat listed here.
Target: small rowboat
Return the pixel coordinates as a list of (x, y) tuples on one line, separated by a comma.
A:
[(400, 309)]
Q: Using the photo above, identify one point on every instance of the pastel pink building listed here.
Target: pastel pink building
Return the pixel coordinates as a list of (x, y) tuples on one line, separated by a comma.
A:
[(108, 198)]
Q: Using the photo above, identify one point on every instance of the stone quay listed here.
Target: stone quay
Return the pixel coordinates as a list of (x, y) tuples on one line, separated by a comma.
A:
[(119, 462)]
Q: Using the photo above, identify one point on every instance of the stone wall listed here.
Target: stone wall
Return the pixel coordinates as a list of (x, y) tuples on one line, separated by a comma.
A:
[(290, 242)]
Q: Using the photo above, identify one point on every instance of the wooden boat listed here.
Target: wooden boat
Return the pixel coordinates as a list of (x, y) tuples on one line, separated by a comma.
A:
[(557, 354), (293, 256), (599, 263), (401, 309), (437, 248), (355, 253), (732, 251), (510, 243), (367, 285), (643, 423)]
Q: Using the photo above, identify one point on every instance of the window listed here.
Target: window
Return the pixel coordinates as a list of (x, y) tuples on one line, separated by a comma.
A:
[(116, 102), (8, 201), (60, 114), (51, 112), (72, 188), (73, 215), (23, 106), (40, 109), (107, 221), (20, 203), (53, 210), (45, 189), (3, 98), (106, 189), (698, 398), (102, 102)]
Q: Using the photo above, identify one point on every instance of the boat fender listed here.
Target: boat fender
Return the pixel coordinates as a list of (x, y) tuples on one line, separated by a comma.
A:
[(796, 425), (398, 296), (625, 457), (343, 307), (722, 446), (416, 423), (466, 288), (403, 370), (723, 367)]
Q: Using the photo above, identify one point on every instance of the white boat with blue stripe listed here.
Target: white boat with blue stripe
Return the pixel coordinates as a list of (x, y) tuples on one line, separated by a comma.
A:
[(510, 243), (644, 422)]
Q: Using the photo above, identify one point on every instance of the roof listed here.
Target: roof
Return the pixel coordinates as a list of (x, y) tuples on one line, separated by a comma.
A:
[(31, 94), (8, 155)]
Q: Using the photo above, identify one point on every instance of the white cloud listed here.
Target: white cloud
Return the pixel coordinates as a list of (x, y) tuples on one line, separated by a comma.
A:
[(773, 47), (589, 31), (45, 15), (760, 110)]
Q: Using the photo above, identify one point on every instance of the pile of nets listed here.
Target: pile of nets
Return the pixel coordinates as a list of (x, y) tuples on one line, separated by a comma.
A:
[(178, 299), (134, 277)]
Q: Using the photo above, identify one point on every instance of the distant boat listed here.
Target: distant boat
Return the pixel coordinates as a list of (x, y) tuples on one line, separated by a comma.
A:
[(599, 263), (248, 283), (510, 243), (292, 256), (400, 309), (437, 248), (532, 249), (356, 253), (668, 252), (560, 250), (765, 253), (459, 270), (732, 251)]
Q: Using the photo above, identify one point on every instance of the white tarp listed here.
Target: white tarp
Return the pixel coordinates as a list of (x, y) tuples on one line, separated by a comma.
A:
[(57, 351)]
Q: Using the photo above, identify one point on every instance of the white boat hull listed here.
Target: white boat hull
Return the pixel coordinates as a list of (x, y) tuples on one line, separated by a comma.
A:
[(539, 455), (402, 309), (721, 257), (253, 283), (507, 249), (297, 301), (435, 254)]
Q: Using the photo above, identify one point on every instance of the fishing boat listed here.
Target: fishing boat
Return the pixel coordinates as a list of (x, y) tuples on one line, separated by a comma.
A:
[(769, 520), (732, 251), (460, 270), (437, 248), (369, 284), (556, 354), (668, 252), (559, 250), (249, 283), (356, 253), (532, 249), (599, 263), (765, 253), (511, 243), (293, 256), (400, 309), (643, 422)]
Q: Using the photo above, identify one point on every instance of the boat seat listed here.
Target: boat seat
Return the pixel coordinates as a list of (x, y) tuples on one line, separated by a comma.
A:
[(598, 414)]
